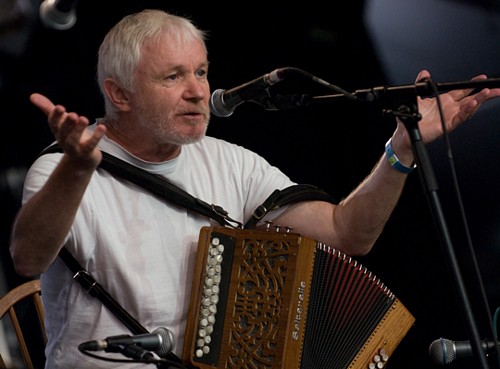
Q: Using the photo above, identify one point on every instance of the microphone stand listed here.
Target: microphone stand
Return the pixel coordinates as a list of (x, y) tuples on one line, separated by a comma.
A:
[(404, 101), (409, 115)]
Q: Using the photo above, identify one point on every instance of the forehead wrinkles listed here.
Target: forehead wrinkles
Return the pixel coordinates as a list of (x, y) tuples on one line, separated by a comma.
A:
[(173, 52)]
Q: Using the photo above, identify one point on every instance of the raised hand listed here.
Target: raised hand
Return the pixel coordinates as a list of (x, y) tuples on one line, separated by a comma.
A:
[(71, 132), (458, 106)]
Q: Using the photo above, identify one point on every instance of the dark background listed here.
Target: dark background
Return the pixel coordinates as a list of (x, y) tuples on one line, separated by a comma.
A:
[(354, 45)]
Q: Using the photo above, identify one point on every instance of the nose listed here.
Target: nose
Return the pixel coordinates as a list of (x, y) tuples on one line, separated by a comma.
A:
[(196, 88)]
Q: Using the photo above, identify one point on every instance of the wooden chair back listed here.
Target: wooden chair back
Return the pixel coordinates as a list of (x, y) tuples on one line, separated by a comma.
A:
[(10, 305)]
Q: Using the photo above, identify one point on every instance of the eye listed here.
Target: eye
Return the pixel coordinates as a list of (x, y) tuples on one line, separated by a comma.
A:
[(171, 77), (202, 72)]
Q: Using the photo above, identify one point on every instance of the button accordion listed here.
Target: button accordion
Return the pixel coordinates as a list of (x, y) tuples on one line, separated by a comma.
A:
[(267, 299)]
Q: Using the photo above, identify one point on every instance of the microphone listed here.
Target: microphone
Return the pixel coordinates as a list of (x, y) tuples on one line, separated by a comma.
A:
[(58, 14), (160, 341), (223, 103), (443, 351)]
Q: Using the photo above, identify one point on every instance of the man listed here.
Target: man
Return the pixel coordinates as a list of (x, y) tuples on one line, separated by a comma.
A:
[(152, 71)]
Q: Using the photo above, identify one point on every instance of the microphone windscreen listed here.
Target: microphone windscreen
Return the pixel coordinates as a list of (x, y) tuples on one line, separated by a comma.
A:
[(167, 341), (442, 351)]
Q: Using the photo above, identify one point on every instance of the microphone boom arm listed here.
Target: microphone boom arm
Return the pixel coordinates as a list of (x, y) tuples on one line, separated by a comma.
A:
[(422, 89)]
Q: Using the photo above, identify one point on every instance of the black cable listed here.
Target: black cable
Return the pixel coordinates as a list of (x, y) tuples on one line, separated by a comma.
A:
[(163, 363), (322, 82)]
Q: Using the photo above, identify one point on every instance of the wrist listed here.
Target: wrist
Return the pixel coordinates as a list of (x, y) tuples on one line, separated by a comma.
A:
[(394, 160)]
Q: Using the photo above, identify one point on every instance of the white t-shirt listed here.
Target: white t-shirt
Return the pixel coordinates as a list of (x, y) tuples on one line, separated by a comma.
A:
[(141, 249)]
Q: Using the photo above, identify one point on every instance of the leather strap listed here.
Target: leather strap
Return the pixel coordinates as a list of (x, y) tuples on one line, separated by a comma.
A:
[(90, 285), (160, 187), (289, 195)]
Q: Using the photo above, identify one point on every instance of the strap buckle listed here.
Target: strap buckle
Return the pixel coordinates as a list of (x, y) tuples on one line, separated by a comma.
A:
[(87, 281), (224, 215)]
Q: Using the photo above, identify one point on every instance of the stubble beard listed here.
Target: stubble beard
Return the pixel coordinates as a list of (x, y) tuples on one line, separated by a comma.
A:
[(166, 129)]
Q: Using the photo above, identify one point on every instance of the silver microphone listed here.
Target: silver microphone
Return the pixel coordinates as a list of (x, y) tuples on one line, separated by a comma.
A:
[(444, 351), (58, 14), (223, 102)]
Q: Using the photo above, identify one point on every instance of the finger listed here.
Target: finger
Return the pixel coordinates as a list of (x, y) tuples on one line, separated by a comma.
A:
[(93, 140), (423, 75), (471, 104), (477, 100), (461, 94), (67, 127), (42, 102)]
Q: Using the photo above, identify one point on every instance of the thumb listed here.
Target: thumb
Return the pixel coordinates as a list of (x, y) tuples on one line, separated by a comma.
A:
[(42, 102), (423, 75)]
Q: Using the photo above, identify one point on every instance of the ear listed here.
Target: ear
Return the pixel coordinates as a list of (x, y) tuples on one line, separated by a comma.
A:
[(117, 95)]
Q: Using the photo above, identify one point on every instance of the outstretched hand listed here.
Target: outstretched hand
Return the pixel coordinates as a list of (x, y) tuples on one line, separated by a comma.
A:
[(458, 106), (70, 131)]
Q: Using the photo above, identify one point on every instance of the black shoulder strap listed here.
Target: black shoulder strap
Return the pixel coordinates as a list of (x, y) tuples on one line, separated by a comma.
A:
[(160, 187), (289, 195), (91, 286)]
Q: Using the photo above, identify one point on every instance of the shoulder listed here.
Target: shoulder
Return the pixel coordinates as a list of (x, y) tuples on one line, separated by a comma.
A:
[(46, 161)]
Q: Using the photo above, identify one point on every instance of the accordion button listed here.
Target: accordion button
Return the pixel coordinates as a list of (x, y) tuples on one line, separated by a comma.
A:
[(383, 355)]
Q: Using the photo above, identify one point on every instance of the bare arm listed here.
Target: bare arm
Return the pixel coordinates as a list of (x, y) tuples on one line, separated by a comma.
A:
[(358, 220), (44, 221)]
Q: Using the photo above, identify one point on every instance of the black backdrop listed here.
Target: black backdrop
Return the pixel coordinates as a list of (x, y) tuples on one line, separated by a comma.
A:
[(332, 145)]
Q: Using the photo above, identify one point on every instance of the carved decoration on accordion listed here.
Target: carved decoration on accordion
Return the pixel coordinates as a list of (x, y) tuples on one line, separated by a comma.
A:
[(258, 302), (262, 275)]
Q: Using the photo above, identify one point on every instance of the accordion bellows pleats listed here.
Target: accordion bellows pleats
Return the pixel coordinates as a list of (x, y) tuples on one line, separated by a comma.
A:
[(269, 299)]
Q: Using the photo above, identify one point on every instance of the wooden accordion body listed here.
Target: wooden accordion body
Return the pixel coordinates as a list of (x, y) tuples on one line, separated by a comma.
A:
[(267, 299)]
